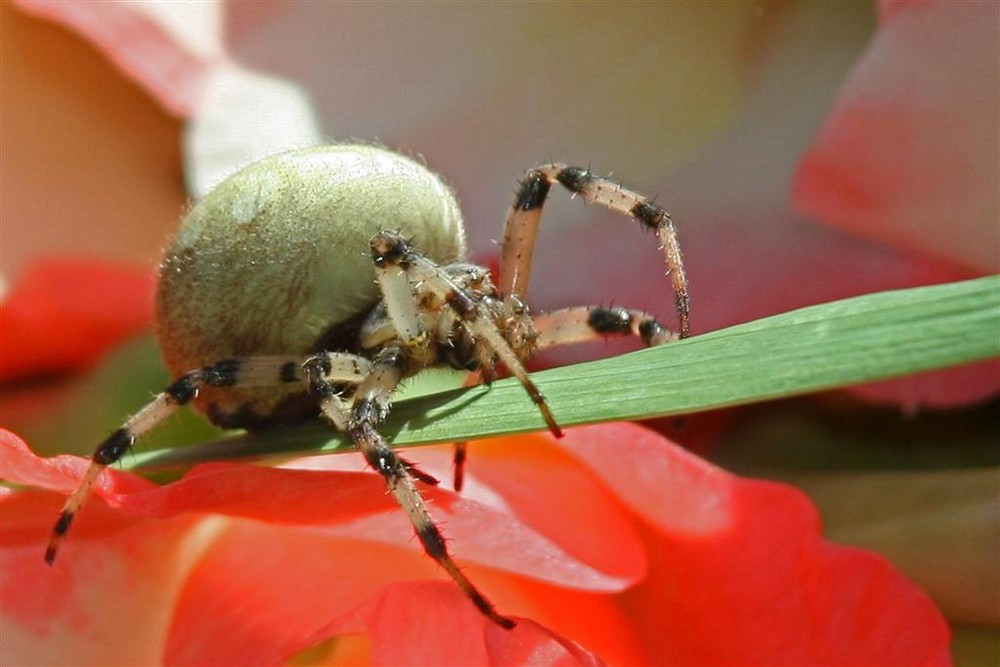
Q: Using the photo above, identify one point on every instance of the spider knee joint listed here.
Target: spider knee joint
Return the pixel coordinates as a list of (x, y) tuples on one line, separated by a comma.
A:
[(113, 447), (385, 462), (389, 248), (609, 320), (650, 214), (532, 193), (317, 369), (575, 179), (184, 388)]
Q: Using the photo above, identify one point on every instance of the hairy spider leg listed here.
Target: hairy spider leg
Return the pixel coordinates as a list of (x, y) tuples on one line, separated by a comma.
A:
[(372, 401), (390, 250), (323, 384), (578, 324), (521, 227), (254, 371), (573, 325), (472, 379)]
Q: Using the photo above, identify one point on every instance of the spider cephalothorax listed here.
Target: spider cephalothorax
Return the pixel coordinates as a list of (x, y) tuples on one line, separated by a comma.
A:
[(315, 281)]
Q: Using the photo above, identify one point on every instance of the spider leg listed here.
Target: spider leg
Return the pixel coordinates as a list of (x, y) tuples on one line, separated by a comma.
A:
[(583, 323), (458, 464), (473, 379), (391, 255), (322, 383), (521, 228), (255, 371), (333, 368), (371, 405), (417, 272), (577, 325)]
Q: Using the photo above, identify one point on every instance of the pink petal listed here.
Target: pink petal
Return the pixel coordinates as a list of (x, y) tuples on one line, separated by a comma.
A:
[(909, 153), (170, 48), (358, 501), (107, 604), (961, 385)]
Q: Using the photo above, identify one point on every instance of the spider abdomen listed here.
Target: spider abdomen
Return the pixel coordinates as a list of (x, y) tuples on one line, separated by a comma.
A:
[(276, 257)]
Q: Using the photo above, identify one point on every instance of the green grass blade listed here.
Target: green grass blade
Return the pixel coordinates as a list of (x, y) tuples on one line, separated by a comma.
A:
[(847, 342)]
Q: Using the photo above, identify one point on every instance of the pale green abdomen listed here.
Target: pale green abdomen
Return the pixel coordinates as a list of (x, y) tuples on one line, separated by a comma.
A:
[(277, 255)]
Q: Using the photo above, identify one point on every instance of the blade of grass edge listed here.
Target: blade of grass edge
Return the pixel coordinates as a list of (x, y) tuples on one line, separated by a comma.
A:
[(861, 339)]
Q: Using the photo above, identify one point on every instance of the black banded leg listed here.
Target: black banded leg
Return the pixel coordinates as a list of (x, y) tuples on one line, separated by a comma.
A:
[(371, 405), (458, 464), (426, 277), (228, 373), (521, 228), (473, 379), (584, 323), (327, 373), (480, 325)]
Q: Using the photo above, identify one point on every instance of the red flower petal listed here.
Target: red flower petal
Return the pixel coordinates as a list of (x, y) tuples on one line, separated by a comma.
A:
[(909, 153), (19, 464), (746, 559), (511, 483), (737, 570), (65, 313), (261, 593), (357, 500), (324, 578), (432, 623), (231, 572)]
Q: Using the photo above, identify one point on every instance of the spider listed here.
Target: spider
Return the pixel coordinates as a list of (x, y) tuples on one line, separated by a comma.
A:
[(315, 281)]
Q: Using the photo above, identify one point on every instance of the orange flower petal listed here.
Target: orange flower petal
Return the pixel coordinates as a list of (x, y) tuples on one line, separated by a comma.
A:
[(63, 314)]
